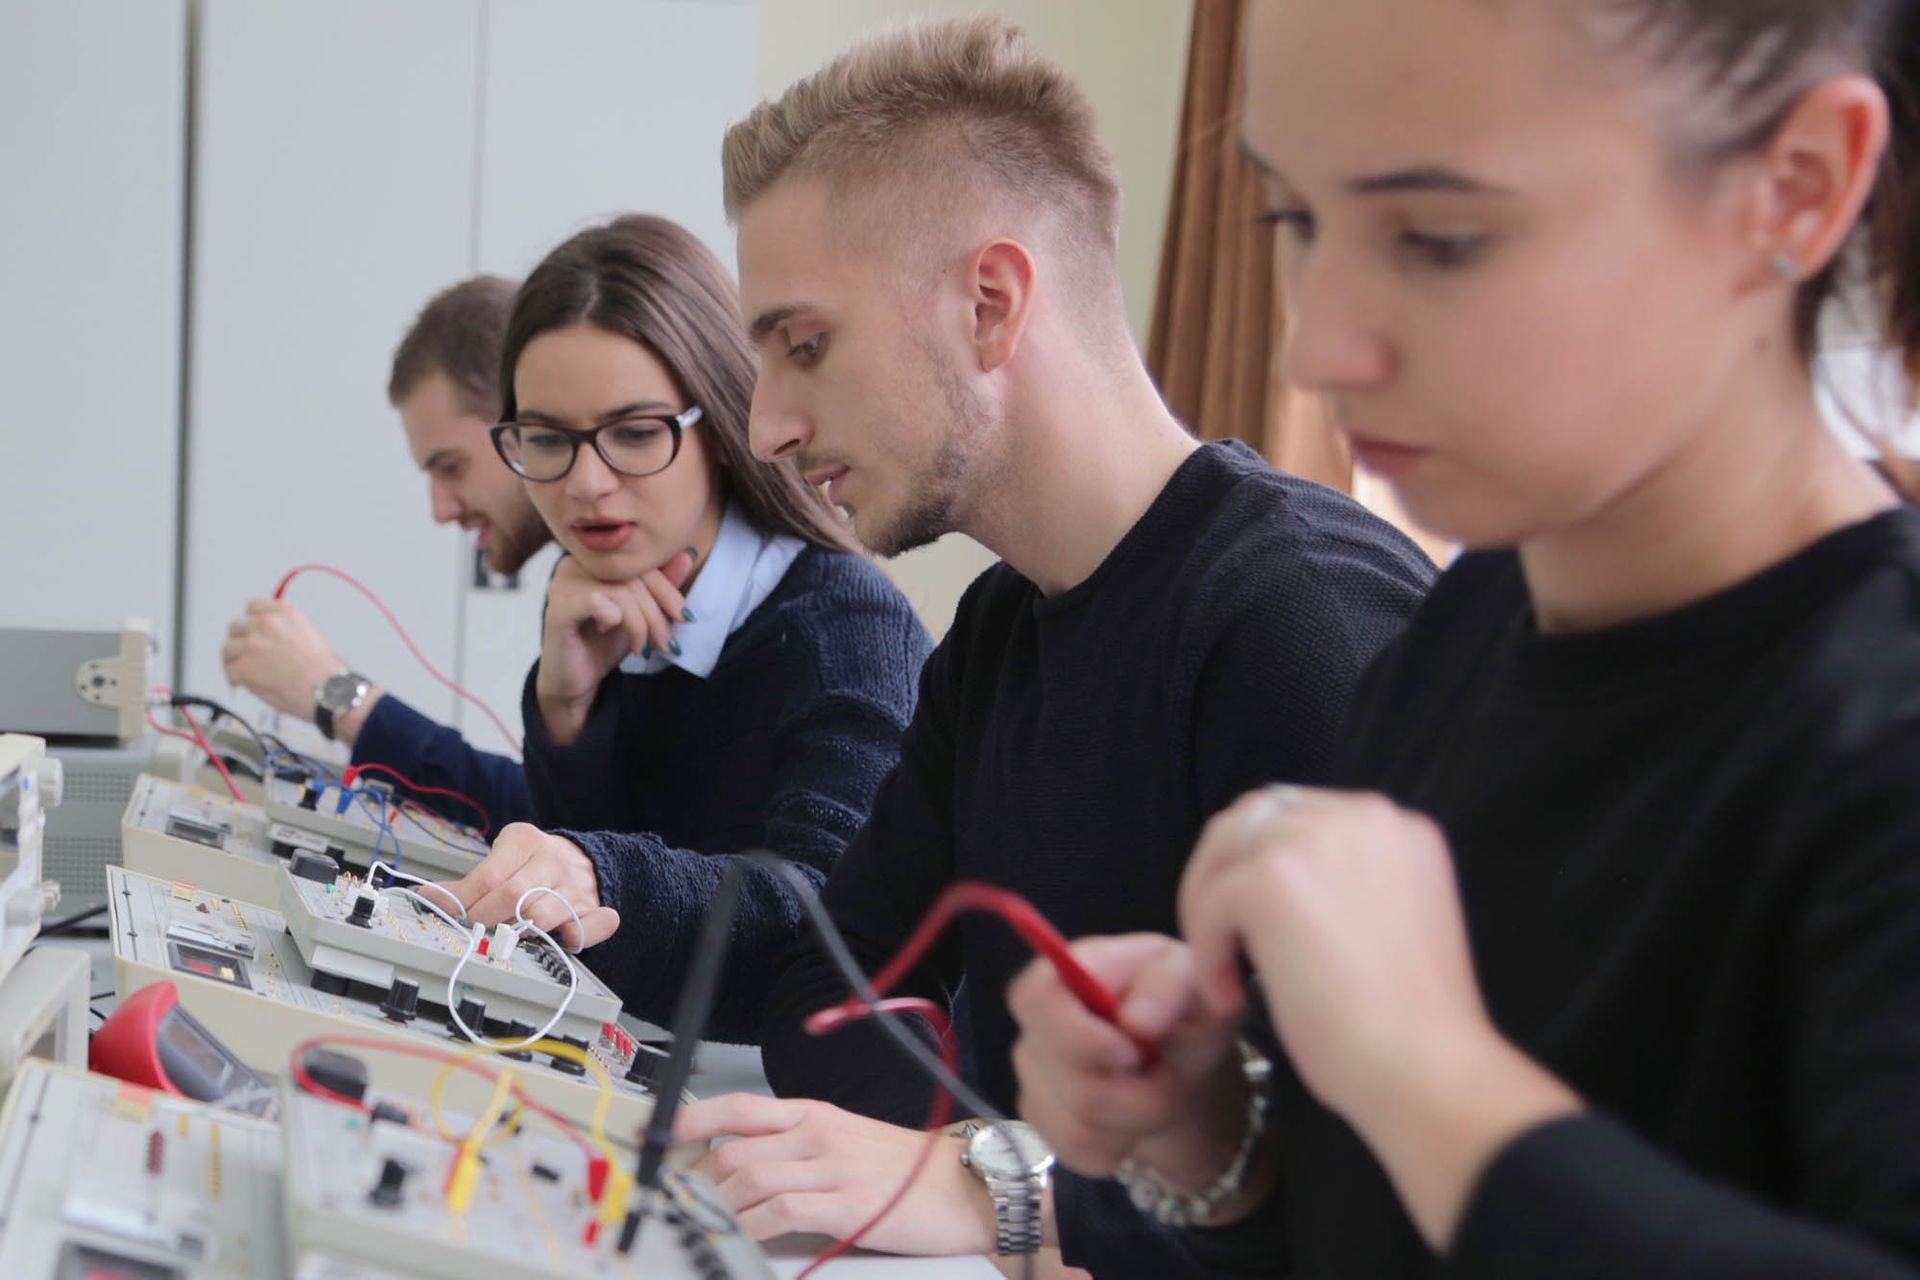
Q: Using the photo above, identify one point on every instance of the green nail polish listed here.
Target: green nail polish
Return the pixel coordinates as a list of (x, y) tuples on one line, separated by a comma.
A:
[(646, 651), (686, 615), (675, 646), (693, 553)]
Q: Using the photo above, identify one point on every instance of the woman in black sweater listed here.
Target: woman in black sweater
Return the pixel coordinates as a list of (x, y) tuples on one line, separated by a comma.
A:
[(720, 669), (1608, 962)]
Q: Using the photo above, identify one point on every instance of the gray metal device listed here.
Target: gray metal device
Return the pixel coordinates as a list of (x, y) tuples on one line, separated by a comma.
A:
[(380, 1191), (83, 834), (238, 970), (77, 684), (399, 939)]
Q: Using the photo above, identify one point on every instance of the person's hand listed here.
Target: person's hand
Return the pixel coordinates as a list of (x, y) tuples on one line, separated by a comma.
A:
[(801, 1165), (1086, 1087), (524, 857), (274, 653), (591, 625), (1347, 907)]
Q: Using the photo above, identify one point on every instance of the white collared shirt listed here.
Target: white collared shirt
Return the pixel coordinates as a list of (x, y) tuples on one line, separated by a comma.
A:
[(741, 572)]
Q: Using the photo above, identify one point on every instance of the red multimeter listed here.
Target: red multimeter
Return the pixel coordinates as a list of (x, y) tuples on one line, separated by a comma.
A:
[(151, 1040)]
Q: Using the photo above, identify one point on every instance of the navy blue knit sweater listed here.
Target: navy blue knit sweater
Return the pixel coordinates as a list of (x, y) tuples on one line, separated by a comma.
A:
[(781, 748), (434, 755)]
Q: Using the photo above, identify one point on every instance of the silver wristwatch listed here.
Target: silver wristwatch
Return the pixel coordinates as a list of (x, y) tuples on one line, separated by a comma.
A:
[(336, 696), (1015, 1163)]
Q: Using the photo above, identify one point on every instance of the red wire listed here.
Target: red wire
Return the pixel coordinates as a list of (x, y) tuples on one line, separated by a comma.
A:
[(379, 604), (200, 739), (298, 1069), (972, 895), (829, 1019), (966, 895), (354, 771)]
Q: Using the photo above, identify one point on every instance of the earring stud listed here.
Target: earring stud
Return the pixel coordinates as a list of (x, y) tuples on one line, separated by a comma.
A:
[(1785, 266)]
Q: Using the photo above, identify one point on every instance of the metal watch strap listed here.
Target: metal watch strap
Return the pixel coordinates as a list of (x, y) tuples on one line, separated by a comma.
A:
[(1016, 1212), (1152, 1194)]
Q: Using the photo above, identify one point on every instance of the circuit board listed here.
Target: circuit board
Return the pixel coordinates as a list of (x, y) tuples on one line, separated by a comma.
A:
[(428, 844), (402, 938), (380, 1189), (176, 831), (240, 972), (101, 1178)]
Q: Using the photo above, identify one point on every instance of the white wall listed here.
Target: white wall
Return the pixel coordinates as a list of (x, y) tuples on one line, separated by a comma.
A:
[(92, 110), (334, 171), (1131, 58)]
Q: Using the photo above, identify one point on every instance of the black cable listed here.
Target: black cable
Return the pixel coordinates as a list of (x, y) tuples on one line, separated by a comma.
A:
[(67, 922), (219, 709), (691, 1012)]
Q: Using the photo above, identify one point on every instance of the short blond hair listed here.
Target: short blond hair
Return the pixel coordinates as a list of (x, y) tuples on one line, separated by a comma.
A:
[(929, 113)]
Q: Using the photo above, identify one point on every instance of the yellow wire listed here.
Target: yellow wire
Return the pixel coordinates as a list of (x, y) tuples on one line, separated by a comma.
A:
[(597, 1126)]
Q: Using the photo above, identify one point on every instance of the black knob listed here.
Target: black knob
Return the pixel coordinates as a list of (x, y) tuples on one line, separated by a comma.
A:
[(403, 1000), (645, 1067), (567, 1066), (516, 1032), (474, 1014), (309, 865), (362, 913), (393, 1175), (380, 877), (310, 798)]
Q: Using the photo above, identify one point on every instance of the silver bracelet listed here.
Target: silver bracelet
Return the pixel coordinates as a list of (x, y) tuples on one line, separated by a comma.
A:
[(1152, 1194)]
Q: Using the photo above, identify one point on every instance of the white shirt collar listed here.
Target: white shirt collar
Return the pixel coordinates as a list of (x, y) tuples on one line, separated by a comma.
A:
[(742, 570)]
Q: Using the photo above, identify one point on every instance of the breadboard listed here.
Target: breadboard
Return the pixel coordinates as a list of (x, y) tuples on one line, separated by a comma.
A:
[(241, 974), (103, 1178), (405, 940), (429, 845), (177, 831), (530, 1217)]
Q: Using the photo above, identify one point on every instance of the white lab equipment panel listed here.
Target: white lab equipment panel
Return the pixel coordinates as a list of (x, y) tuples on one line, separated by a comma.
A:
[(334, 193), (92, 127)]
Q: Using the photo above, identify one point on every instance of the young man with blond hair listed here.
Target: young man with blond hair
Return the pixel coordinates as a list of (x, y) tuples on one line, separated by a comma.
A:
[(928, 232)]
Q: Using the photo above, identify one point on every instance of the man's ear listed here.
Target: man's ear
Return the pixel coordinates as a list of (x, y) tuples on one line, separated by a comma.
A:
[(1003, 275)]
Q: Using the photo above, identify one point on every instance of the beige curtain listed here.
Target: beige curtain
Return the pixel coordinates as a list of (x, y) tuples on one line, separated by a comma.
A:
[(1217, 316)]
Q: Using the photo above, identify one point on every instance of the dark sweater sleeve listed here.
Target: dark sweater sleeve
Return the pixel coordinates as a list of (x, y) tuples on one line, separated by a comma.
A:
[(900, 862), (833, 746), (396, 735)]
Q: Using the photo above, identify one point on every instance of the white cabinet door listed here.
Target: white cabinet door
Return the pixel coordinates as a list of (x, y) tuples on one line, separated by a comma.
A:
[(92, 117), (592, 108), (334, 168)]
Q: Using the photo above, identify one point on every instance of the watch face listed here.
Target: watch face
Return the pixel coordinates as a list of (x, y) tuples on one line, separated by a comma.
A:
[(337, 692), (1009, 1149)]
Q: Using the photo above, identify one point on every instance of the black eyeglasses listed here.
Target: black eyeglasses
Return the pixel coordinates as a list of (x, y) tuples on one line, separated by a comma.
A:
[(640, 445)]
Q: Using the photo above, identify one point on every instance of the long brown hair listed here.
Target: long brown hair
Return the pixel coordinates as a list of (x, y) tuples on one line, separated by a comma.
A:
[(649, 279)]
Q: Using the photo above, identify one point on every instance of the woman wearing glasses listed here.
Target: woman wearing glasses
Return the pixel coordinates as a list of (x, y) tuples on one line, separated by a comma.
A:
[(720, 670)]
